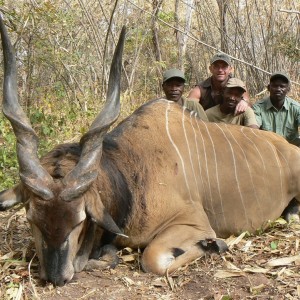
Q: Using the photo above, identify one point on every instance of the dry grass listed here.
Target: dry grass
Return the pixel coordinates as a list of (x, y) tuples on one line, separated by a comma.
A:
[(265, 266)]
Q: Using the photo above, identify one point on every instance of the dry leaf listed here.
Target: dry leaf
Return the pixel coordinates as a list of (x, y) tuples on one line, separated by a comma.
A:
[(233, 240), (257, 289), (127, 281), (11, 293), (19, 293), (228, 274), (231, 266), (136, 274), (170, 281), (280, 221), (159, 282), (127, 250), (9, 255), (128, 258), (282, 261), (256, 270), (282, 271), (247, 246)]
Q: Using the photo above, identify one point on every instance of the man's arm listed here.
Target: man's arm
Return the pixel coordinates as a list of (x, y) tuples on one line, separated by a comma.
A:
[(196, 107), (194, 94), (250, 120), (257, 112), (243, 105), (246, 97), (297, 140), (253, 126)]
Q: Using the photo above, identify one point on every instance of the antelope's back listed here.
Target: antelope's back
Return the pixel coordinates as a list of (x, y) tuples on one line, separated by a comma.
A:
[(243, 177)]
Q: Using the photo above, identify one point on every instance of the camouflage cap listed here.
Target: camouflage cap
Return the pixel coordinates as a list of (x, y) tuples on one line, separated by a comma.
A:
[(172, 73), (235, 82), (280, 75), (223, 57)]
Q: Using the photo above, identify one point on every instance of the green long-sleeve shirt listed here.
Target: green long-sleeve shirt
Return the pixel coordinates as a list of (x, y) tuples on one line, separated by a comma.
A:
[(285, 121)]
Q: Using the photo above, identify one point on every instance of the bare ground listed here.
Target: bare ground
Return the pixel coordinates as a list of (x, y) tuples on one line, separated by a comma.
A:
[(265, 266)]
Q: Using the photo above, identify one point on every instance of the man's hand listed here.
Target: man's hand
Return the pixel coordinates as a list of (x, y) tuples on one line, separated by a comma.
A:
[(241, 107)]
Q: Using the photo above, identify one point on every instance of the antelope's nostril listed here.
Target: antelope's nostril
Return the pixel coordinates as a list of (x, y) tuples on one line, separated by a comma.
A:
[(59, 282)]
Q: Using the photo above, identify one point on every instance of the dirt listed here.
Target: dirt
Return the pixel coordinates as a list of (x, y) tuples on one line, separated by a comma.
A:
[(241, 273)]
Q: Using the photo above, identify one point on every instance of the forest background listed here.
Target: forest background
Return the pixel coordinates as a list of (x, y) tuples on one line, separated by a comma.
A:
[(64, 50)]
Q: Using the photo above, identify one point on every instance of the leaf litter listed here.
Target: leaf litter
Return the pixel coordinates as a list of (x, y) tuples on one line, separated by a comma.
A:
[(262, 266)]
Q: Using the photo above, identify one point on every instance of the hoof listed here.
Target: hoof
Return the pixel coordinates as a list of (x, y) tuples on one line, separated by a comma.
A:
[(108, 258), (213, 245)]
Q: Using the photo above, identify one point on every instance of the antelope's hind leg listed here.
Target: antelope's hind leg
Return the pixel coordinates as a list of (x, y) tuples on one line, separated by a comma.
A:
[(177, 246), (292, 211)]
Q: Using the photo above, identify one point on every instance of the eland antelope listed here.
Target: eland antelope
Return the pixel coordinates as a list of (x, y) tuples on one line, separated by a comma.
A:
[(162, 180)]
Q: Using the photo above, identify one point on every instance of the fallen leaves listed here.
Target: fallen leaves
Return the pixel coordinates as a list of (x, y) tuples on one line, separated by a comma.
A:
[(284, 261), (255, 266)]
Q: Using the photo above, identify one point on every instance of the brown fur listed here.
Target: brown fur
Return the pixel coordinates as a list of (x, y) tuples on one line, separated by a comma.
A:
[(170, 181)]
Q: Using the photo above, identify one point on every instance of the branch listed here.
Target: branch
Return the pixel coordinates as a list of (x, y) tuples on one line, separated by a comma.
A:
[(289, 11)]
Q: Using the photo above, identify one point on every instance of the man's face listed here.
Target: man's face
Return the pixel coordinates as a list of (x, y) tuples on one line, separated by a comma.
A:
[(278, 89), (220, 70), (231, 97), (173, 88)]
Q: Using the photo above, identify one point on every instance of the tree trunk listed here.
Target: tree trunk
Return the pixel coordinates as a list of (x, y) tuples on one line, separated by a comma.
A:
[(156, 45), (223, 6), (182, 38)]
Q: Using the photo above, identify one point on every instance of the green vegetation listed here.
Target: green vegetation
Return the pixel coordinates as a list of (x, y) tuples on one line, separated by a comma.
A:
[(64, 53), (52, 128), (8, 161), (54, 124)]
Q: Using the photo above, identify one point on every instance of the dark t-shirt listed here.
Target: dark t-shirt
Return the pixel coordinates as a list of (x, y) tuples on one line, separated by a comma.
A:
[(209, 97)]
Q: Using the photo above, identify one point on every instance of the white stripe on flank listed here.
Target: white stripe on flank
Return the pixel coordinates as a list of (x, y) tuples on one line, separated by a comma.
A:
[(177, 150), (235, 171), (249, 170), (286, 162), (217, 175), (189, 150), (198, 153), (278, 163), (263, 164), (207, 177)]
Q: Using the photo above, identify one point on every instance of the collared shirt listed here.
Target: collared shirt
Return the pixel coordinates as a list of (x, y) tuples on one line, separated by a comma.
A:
[(247, 118), (284, 121)]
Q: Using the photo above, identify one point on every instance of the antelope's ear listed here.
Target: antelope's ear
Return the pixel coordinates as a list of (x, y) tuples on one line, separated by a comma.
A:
[(10, 197), (98, 213)]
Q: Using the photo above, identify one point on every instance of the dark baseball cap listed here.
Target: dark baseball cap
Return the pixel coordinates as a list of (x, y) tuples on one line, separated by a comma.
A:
[(172, 73), (280, 75), (223, 57), (235, 82)]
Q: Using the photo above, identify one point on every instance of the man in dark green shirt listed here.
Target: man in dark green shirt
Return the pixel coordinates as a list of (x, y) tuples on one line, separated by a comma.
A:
[(279, 113)]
